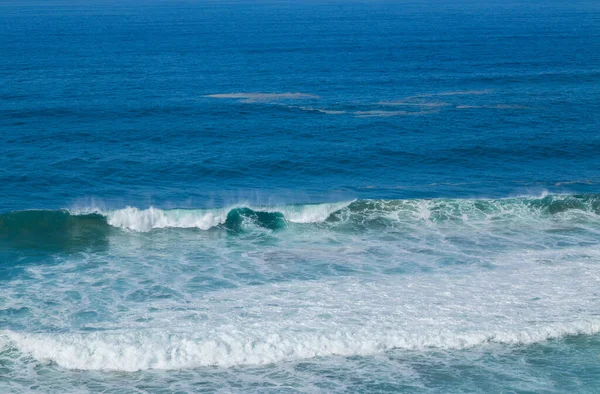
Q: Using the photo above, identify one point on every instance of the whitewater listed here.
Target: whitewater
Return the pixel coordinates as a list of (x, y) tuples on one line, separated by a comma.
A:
[(273, 285)]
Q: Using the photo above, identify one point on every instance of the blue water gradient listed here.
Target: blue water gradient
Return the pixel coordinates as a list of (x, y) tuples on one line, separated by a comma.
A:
[(321, 196)]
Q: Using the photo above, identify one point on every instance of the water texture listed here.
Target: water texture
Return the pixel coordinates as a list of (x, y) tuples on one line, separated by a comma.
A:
[(270, 196)]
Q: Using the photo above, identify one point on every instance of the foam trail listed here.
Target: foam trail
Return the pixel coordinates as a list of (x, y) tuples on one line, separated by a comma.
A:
[(458, 93), (133, 351), (494, 106), (384, 114), (258, 96), (413, 104), (523, 302), (321, 110)]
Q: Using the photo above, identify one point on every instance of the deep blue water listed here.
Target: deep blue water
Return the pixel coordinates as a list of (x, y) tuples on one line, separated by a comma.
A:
[(253, 196)]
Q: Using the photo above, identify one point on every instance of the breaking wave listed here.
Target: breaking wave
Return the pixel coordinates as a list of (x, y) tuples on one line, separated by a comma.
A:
[(87, 222), (232, 218)]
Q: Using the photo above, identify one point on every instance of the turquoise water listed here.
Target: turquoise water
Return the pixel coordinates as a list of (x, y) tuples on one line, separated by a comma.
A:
[(316, 197)]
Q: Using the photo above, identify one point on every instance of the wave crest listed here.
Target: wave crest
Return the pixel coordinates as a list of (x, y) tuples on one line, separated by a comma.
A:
[(269, 217), (89, 222)]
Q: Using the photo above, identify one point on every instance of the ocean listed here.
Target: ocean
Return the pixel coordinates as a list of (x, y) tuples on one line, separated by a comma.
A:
[(299, 196)]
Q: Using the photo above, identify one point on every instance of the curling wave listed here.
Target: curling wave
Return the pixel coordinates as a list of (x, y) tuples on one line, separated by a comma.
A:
[(269, 217)]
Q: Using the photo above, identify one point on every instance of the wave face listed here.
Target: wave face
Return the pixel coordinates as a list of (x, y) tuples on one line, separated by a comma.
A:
[(52, 229)]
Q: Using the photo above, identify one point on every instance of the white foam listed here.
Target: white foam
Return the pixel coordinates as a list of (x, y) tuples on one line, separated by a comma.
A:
[(153, 218), (522, 303), (133, 351), (445, 274)]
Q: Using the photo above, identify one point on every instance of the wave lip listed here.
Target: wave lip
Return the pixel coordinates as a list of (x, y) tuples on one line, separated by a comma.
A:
[(147, 219), (134, 351)]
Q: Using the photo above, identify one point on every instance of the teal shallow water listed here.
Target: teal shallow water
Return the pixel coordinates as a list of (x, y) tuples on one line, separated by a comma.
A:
[(367, 295), (569, 365)]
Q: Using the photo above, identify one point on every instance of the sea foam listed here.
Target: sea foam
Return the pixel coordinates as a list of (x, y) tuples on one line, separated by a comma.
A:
[(522, 302), (133, 351)]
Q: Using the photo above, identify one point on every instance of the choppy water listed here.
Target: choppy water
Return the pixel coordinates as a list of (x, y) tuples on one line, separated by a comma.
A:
[(315, 197)]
